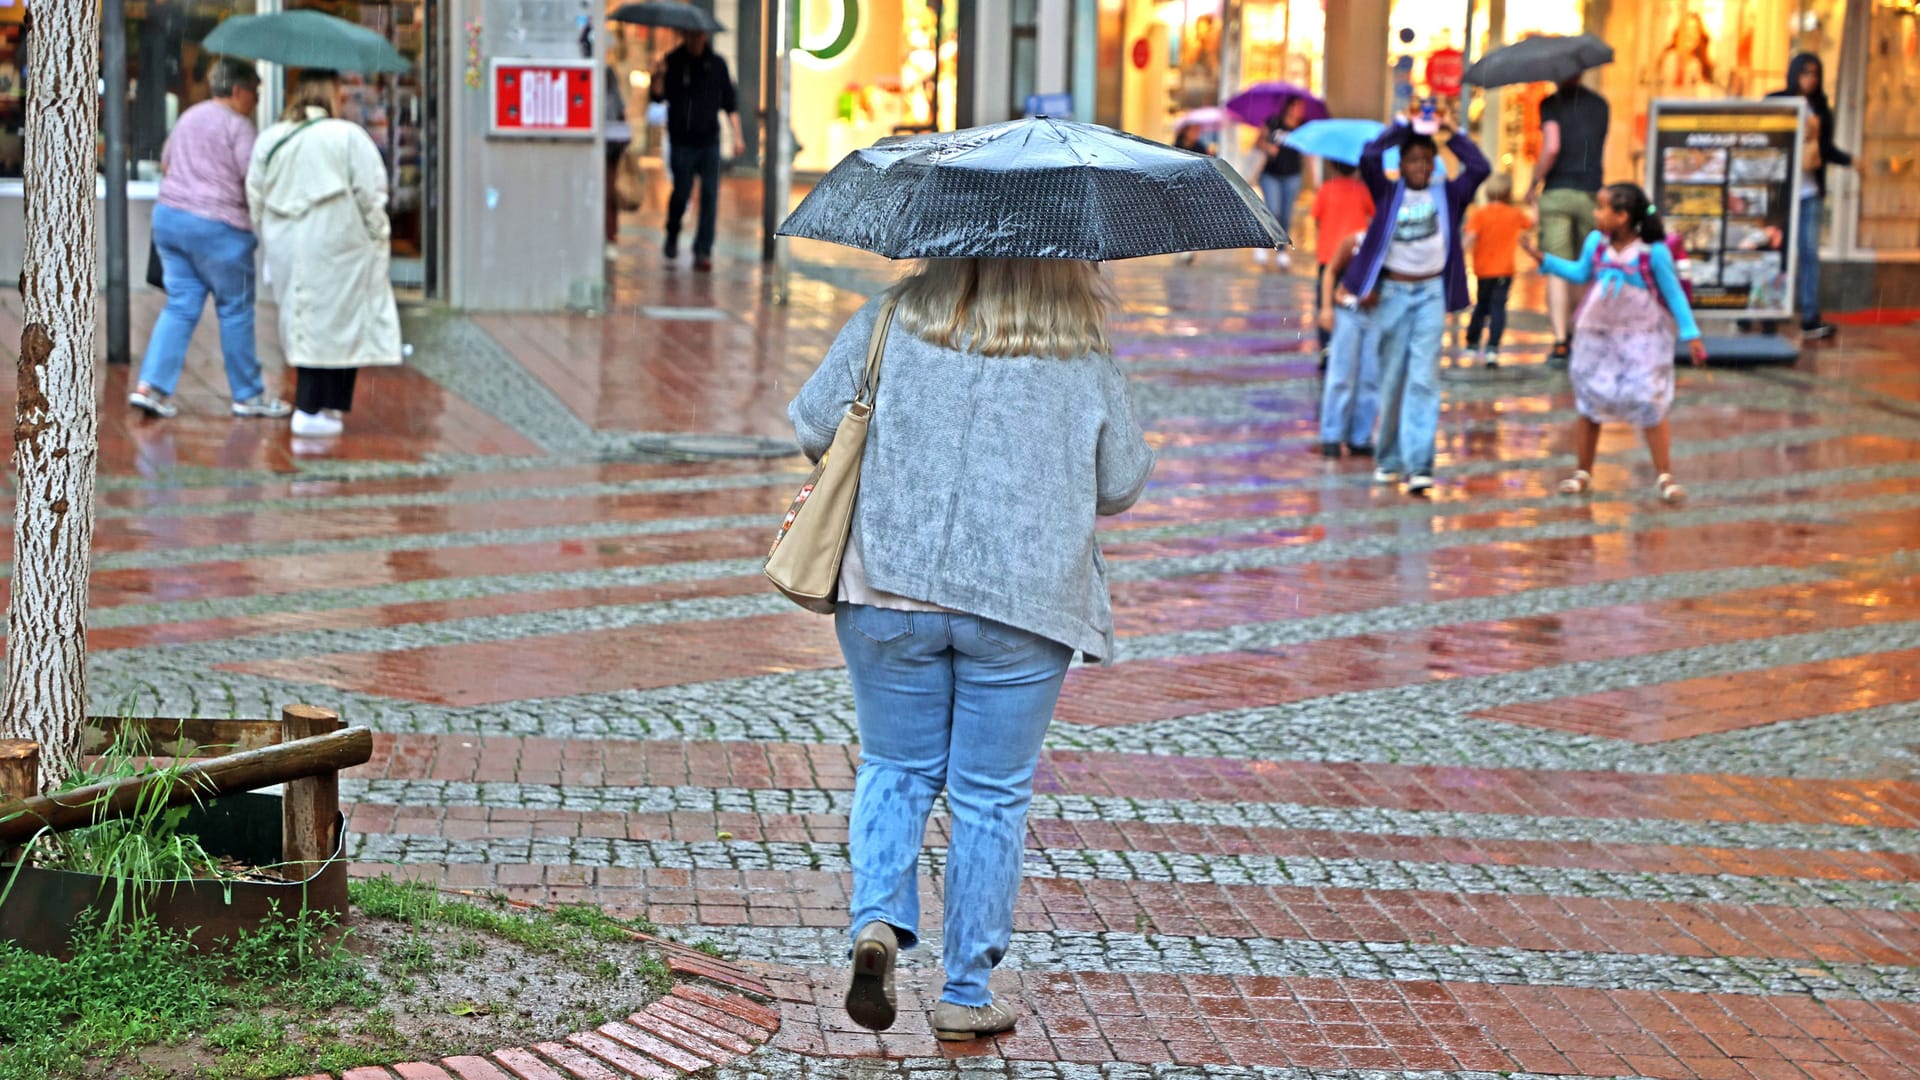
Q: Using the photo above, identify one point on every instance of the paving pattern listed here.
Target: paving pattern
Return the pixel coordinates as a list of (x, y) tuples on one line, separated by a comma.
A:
[(1492, 784)]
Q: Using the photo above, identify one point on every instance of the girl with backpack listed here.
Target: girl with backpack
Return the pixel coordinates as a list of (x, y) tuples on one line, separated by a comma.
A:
[(1622, 365)]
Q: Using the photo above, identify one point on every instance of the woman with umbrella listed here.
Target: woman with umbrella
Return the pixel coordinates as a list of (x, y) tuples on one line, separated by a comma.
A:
[(1000, 431), (1283, 170), (318, 191)]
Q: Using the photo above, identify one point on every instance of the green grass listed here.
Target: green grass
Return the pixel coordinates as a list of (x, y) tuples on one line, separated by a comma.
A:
[(270, 1003)]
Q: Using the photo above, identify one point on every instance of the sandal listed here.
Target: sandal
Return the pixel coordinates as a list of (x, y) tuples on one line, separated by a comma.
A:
[(1580, 483), (1670, 492)]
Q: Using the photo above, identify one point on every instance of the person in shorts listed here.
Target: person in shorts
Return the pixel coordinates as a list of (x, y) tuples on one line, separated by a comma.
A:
[(1572, 170)]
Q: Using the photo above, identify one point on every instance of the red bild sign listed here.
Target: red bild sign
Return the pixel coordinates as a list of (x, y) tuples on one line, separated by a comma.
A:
[(542, 97)]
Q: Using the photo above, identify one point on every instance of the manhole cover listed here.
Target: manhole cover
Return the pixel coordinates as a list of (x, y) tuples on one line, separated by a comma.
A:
[(713, 446)]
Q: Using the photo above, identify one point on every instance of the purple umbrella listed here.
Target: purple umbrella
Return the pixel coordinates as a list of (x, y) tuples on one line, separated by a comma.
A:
[(1261, 102)]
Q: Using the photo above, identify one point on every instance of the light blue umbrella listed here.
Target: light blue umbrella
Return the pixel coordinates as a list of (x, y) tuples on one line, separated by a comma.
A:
[(1343, 140)]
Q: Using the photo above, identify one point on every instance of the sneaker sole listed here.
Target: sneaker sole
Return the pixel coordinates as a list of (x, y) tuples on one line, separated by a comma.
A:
[(968, 1036), (867, 1003)]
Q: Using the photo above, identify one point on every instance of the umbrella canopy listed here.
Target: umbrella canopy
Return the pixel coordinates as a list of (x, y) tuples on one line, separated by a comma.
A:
[(1343, 140), (307, 39), (1211, 116), (1261, 102), (1032, 189), (1546, 58), (668, 13)]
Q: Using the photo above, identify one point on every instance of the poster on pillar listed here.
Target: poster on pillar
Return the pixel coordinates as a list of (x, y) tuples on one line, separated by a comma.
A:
[(552, 99), (1727, 177)]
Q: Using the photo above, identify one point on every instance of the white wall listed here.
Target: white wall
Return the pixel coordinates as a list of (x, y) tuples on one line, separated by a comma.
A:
[(525, 217), (992, 67), (1056, 47)]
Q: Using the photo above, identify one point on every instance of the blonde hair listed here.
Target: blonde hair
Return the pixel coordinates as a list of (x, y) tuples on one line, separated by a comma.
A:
[(1007, 307), (1500, 188), (315, 90)]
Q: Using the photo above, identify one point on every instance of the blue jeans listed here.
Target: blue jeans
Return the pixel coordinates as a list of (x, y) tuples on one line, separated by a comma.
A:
[(1808, 284), (1351, 400), (201, 256), (953, 701), (1412, 316), (689, 163), (1280, 193)]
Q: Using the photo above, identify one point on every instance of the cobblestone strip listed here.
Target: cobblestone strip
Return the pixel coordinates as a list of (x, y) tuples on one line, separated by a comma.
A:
[(788, 801), (772, 1064), (817, 706), (1069, 951), (469, 364), (1186, 868), (1271, 634), (1346, 548)]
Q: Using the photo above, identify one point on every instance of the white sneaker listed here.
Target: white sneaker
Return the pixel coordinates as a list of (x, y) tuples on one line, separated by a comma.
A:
[(1419, 483), (1285, 260), (270, 408), (1260, 256), (316, 425), (1385, 476), (154, 404)]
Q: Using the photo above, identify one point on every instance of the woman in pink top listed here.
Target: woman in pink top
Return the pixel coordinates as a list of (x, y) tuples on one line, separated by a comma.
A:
[(204, 235)]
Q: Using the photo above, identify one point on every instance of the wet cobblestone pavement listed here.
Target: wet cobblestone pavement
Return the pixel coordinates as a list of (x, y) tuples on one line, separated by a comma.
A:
[(1496, 783)]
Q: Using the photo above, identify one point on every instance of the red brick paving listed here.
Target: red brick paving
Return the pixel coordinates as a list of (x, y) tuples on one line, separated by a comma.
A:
[(626, 372)]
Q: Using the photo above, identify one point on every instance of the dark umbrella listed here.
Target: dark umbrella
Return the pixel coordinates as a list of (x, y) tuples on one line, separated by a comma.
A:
[(1263, 101), (307, 39), (668, 13), (1032, 189), (1546, 58)]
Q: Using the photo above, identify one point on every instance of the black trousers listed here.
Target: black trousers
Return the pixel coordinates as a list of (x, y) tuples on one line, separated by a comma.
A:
[(324, 388), (689, 163), (1319, 288), (1489, 311)]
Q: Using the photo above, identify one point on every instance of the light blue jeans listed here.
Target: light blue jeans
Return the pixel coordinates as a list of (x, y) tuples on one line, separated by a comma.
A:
[(1808, 286), (1351, 400), (201, 256), (951, 701), (1280, 194), (1412, 317)]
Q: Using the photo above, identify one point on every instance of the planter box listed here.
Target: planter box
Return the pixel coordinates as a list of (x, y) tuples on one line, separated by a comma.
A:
[(299, 832), (40, 912)]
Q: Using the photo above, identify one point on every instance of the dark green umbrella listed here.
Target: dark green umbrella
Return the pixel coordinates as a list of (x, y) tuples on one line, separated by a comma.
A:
[(307, 39), (668, 13)]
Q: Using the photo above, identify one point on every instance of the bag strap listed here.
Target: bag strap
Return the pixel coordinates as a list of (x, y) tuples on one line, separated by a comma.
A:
[(304, 125), (876, 348)]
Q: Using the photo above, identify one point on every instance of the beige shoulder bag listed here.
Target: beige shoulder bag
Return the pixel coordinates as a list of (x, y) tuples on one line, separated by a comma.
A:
[(805, 560)]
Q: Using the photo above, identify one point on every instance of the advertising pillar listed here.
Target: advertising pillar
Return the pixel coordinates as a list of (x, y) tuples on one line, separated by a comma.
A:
[(526, 182)]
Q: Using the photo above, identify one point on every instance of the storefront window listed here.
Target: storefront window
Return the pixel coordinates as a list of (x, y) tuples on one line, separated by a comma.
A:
[(894, 74), (1890, 143), (392, 110), (167, 74), (1699, 50)]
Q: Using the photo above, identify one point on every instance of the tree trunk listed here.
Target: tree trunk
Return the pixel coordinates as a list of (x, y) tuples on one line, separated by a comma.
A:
[(55, 422)]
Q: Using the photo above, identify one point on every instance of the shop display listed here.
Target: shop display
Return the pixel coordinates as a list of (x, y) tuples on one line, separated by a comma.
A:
[(390, 107), (1890, 146), (1723, 178)]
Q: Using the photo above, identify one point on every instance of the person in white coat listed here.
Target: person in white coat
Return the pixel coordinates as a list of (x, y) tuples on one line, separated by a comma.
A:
[(317, 189)]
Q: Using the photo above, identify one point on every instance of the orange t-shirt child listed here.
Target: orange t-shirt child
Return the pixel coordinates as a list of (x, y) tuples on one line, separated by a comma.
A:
[(1342, 207), (1496, 228)]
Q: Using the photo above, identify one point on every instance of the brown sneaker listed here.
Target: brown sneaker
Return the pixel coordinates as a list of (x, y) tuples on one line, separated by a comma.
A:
[(870, 1000), (958, 1023)]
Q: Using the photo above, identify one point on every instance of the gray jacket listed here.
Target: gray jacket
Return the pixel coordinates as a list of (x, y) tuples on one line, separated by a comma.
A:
[(983, 475)]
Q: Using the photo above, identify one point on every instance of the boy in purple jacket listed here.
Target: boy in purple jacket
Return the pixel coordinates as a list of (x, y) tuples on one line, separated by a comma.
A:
[(1411, 271)]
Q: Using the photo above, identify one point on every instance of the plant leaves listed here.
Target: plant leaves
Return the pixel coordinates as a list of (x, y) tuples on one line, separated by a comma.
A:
[(469, 1008)]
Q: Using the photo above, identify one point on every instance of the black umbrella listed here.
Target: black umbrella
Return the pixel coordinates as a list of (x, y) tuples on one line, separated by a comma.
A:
[(1546, 58), (1032, 189), (668, 13)]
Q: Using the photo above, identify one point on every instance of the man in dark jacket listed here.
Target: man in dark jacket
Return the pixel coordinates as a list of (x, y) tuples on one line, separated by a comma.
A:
[(1804, 80), (697, 89)]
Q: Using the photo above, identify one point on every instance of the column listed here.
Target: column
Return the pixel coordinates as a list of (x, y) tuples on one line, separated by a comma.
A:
[(1356, 64)]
